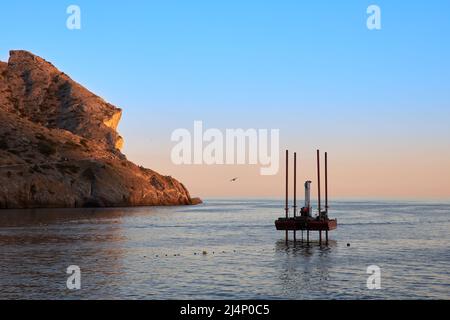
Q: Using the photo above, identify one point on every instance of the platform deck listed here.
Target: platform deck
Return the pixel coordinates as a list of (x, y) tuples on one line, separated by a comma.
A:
[(301, 223)]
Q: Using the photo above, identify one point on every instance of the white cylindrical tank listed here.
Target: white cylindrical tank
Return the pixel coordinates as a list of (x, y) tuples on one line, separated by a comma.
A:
[(308, 196)]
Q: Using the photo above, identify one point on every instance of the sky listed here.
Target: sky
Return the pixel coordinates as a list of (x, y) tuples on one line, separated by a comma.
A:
[(378, 101)]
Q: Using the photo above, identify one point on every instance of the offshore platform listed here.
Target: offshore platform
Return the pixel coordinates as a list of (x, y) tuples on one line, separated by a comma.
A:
[(304, 220)]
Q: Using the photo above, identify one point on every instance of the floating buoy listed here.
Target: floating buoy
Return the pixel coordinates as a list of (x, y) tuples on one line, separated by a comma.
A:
[(205, 253), (348, 244)]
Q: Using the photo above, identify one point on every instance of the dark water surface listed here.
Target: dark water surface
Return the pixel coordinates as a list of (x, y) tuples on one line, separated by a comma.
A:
[(157, 253)]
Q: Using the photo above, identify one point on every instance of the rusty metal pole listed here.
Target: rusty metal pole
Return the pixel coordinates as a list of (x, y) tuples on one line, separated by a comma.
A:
[(295, 184), (287, 191), (287, 184), (318, 181), (326, 182), (295, 192)]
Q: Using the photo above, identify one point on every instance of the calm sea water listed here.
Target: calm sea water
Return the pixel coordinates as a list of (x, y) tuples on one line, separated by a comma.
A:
[(157, 253)]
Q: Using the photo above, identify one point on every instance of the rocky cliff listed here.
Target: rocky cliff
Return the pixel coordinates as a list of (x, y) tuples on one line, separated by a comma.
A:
[(59, 146)]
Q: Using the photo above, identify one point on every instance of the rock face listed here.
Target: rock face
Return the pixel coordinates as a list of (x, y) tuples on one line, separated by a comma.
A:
[(59, 146)]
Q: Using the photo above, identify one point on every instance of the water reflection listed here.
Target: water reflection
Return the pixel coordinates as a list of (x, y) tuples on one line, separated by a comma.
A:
[(304, 267), (45, 217), (302, 248), (122, 254), (39, 245)]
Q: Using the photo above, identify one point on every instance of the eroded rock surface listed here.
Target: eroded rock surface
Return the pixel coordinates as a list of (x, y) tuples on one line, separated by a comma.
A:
[(59, 146)]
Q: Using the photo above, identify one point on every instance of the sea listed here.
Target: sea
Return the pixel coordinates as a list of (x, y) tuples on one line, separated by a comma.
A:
[(225, 249)]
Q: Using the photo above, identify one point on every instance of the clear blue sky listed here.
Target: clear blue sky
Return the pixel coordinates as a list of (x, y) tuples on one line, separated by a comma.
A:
[(265, 64)]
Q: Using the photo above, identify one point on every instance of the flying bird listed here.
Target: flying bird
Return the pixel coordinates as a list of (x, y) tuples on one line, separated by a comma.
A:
[(234, 179)]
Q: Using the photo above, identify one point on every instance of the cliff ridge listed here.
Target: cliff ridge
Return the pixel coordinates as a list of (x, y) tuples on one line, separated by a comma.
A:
[(59, 145)]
